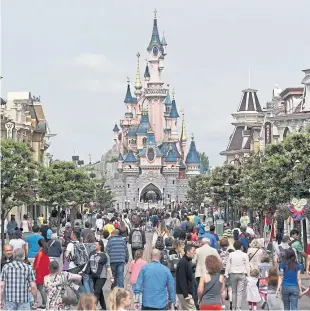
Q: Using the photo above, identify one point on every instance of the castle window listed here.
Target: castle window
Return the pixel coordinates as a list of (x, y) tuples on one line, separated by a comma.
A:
[(128, 185), (173, 182), (144, 141)]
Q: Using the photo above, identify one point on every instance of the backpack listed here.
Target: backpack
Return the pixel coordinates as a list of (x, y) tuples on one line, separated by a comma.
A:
[(164, 260), (80, 254), (160, 245), (67, 237), (136, 240), (174, 260), (224, 256)]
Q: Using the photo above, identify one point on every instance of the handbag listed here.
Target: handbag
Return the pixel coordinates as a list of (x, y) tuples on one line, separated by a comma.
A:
[(206, 291), (69, 296)]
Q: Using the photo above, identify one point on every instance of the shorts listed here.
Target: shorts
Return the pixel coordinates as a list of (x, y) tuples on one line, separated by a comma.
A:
[(210, 307)]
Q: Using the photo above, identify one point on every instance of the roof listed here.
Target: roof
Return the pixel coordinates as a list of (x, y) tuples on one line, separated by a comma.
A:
[(144, 125), (132, 132), (120, 158), (165, 147), (192, 156), (150, 142), (128, 97), (155, 40), (147, 72), (130, 157), (116, 128), (172, 156), (249, 101), (3, 102), (167, 100), (236, 139), (41, 126), (173, 111)]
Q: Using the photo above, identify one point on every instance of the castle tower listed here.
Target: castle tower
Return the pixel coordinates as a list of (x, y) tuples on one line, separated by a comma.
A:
[(154, 91), (306, 95), (138, 84), (193, 160), (173, 120), (116, 132)]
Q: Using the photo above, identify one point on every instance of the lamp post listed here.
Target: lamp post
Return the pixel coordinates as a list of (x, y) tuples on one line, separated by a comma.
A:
[(227, 191), (212, 199)]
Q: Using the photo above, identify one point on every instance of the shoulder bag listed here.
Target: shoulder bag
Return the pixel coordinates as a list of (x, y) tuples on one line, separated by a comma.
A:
[(69, 296)]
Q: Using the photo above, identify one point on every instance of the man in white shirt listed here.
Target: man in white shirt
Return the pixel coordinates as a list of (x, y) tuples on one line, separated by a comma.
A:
[(237, 268), (75, 237), (200, 257)]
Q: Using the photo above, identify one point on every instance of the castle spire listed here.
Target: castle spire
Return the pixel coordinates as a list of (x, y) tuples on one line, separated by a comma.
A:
[(155, 39), (138, 84), (128, 96), (183, 137)]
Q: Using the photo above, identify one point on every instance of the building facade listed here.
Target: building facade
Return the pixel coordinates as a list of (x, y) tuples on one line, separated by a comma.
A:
[(287, 112), (23, 119), (148, 161)]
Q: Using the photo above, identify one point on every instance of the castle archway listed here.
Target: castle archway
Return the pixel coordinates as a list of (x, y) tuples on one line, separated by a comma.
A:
[(150, 193)]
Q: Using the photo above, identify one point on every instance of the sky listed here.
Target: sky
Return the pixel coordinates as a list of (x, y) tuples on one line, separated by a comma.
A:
[(77, 54)]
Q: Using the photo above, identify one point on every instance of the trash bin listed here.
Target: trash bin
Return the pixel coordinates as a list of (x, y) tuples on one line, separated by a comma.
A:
[(219, 226)]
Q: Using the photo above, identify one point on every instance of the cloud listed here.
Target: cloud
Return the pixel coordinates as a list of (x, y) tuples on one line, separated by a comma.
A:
[(99, 86)]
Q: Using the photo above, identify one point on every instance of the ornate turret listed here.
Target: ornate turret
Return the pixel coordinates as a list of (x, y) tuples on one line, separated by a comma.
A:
[(173, 112), (130, 157), (128, 97), (155, 40), (192, 156), (144, 125), (120, 161), (164, 44), (116, 131), (138, 84)]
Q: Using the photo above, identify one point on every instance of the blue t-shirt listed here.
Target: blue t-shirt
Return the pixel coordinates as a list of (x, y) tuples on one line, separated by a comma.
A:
[(196, 220), (289, 277), (244, 241), (33, 246)]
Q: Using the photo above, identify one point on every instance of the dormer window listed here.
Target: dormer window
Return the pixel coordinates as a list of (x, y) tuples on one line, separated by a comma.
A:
[(144, 141)]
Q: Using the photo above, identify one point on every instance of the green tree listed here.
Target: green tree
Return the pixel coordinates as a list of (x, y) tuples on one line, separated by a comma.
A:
[(103, 195), (198, 188), (19, 174), (204, 160), (63, 182)]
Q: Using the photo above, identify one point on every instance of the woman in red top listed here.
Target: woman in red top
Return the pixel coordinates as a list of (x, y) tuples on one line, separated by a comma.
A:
[(41, 267)]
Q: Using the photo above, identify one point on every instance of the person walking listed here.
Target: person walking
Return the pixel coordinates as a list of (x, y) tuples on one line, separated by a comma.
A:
[(54, 285), (136, 239), (98, 271), (185, 279), (159, 292), (32, 246), (211, 285), (290, 280), (54, 251), (12, 226), (17, 241), (118, 252), (134, 269), (237, 269), (119, 299), (41, 267), (15, 280), (252, 292), (200, 257)]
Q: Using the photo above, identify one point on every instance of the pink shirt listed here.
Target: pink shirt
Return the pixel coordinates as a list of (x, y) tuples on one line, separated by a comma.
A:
[(135, 268)]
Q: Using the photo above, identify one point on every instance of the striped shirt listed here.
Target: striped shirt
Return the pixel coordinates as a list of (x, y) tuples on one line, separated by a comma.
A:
[(17, 277), (117, 249)]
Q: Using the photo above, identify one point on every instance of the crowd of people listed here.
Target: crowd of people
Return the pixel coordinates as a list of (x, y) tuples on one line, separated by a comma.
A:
[(190, 266)]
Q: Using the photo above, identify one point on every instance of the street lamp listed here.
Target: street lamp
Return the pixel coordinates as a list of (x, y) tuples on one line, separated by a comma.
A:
[(227, 191)]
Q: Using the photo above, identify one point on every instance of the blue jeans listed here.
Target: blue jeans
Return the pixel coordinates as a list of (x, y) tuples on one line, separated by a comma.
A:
[(9, 305), (118, 273), (88, 284), (290, 295)]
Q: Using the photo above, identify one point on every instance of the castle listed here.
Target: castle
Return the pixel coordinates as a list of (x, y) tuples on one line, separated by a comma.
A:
[(148, 163)]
